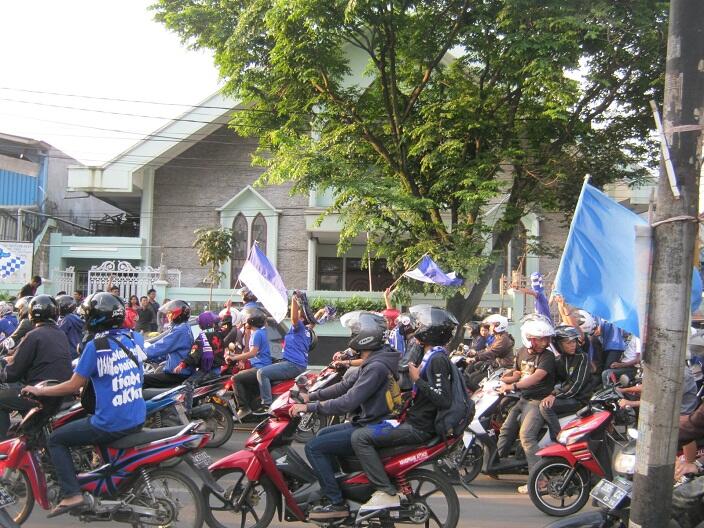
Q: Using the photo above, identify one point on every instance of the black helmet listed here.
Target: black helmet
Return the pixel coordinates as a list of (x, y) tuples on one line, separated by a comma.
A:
[(67, 304), (368, 330), (565, 333), (254, 317), (103, 311), (180, 311), (434, 326), (247, 295), (22, 306), (43, 308)]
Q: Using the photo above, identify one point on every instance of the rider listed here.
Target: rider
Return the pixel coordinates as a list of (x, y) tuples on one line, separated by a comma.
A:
[(259, 355), (8, 321), (360, 389), (297, 343), (112, 362), (23, 327), (69, 322), (42, 355), (574, 372), (206, 355), (432, 391), (534, 377), (498, 353), (174, 346)]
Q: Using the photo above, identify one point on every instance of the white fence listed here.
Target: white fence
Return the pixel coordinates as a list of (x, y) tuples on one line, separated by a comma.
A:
[(65, 280), (130, 280)]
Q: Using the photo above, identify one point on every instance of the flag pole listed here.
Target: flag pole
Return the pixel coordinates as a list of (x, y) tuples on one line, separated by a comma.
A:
[(408, 269)]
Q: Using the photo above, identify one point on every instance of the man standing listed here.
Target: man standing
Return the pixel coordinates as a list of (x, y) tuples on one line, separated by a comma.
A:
[(30, 289), (151, 294)]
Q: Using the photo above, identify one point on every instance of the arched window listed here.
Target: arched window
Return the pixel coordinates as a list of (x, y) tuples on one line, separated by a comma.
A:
[(239, 247), (259, 232)]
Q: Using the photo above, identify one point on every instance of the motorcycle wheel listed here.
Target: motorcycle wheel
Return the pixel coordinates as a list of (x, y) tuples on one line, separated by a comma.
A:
[(306, 432), (470, 468), (220, 424), (17, 484), (433, 501), (175, 496), (258, 506), (546, 479)]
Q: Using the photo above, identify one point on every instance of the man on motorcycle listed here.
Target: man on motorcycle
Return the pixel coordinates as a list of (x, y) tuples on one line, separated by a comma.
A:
[(174, 347), (498, 353), (112, 363), (574, 374), (258, 354), (206, 355), (432, 390), (534, 377), (363, 388), (8, 321), (23, 327), (69, 322), (42, 355)]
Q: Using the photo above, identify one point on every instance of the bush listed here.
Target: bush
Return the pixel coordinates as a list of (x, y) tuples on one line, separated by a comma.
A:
[(348, 305)]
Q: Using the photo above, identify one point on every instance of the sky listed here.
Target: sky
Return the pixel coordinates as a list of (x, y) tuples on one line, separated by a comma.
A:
[(98, 48)]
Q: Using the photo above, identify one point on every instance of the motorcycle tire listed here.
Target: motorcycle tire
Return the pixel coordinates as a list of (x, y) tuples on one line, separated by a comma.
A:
[(221, 425), (17, 484), (234, 481), (305, 434), (470, 468), (422, 479), (166, 491), (554, 470)]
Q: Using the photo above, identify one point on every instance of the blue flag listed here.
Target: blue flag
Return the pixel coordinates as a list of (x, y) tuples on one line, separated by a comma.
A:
[(541, 302), (601, 268), (428, 271)]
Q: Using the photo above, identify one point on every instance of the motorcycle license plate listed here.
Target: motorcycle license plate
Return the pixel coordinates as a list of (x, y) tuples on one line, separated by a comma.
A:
[(5, 498), (611, 494), (201, 459)]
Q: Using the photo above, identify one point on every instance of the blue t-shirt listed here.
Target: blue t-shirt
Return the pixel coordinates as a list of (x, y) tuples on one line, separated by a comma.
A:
[(397, 341), (259, 340), (117, 381), (8, 325), (296, 344), (611, 337)]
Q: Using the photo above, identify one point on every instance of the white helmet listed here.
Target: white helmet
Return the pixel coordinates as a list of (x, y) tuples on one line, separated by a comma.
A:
[(5, 308), (585, 321), (498, 321), (535, 328)]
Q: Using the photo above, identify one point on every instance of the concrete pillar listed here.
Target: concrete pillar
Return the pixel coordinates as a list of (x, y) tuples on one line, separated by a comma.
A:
[(146, 213), (312, 262)]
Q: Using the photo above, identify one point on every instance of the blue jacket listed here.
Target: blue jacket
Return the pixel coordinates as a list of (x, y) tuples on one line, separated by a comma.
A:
[(174, 346), (72, 326), (8, 324)]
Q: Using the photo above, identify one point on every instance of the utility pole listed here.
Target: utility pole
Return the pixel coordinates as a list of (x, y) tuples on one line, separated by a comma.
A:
[(674, 233)]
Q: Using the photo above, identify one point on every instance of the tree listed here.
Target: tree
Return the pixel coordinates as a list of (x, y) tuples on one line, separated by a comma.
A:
[(464, 104), (214, 247)]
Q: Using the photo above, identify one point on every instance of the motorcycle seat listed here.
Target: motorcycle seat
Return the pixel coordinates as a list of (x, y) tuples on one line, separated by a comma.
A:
[(145, 436), (148, 394), (350, 464)]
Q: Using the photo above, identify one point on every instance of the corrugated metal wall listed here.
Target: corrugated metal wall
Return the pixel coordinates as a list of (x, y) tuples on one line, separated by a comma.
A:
[(17, 189)]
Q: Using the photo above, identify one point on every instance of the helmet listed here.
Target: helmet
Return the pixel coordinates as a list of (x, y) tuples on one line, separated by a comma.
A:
[(535, 327), (433, 325), (586, 321), (406, 324), (103, 311), (565, 333), (22, 306), (180, 311), (5, 308), (207, 320), (497, 321), (254, 317), (67, 304), (247, 295), (368, 330), (43, 308)]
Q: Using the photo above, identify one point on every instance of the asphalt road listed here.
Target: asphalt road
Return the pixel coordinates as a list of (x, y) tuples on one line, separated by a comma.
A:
[(498, 505)]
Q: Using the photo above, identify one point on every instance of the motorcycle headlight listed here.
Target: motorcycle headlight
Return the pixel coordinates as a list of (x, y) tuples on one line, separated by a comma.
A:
[(625, 463)]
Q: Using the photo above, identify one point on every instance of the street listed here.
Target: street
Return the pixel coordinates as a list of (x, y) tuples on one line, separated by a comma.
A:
[(498, 505)]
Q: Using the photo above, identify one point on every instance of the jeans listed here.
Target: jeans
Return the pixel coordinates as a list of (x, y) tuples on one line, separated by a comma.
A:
[(527, 430), (77, 433), (246, 387), (10, 400), (322, 453), (366, 440), (561, 406), (282, 370), (629, 371), (611, 356)]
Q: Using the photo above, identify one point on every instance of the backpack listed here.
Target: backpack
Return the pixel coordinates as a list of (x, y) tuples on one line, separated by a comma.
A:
[(455, 419), (394, 397)]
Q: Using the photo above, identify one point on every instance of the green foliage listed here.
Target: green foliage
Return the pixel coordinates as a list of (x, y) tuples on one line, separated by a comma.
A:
[(214, 247), (6, 296), (348, 305), (422, 116)]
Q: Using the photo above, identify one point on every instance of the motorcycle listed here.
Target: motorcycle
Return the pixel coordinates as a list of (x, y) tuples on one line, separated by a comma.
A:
[(268, 476), (124, 483), (478, 452), (559, 484)]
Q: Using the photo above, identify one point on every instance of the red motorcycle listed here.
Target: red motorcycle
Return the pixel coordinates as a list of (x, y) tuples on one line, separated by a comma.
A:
[(559, 484), (268, 476), (124, 482)]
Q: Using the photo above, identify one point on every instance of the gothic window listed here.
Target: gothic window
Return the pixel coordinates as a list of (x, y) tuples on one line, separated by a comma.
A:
[(259, 232), (239, 247)]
